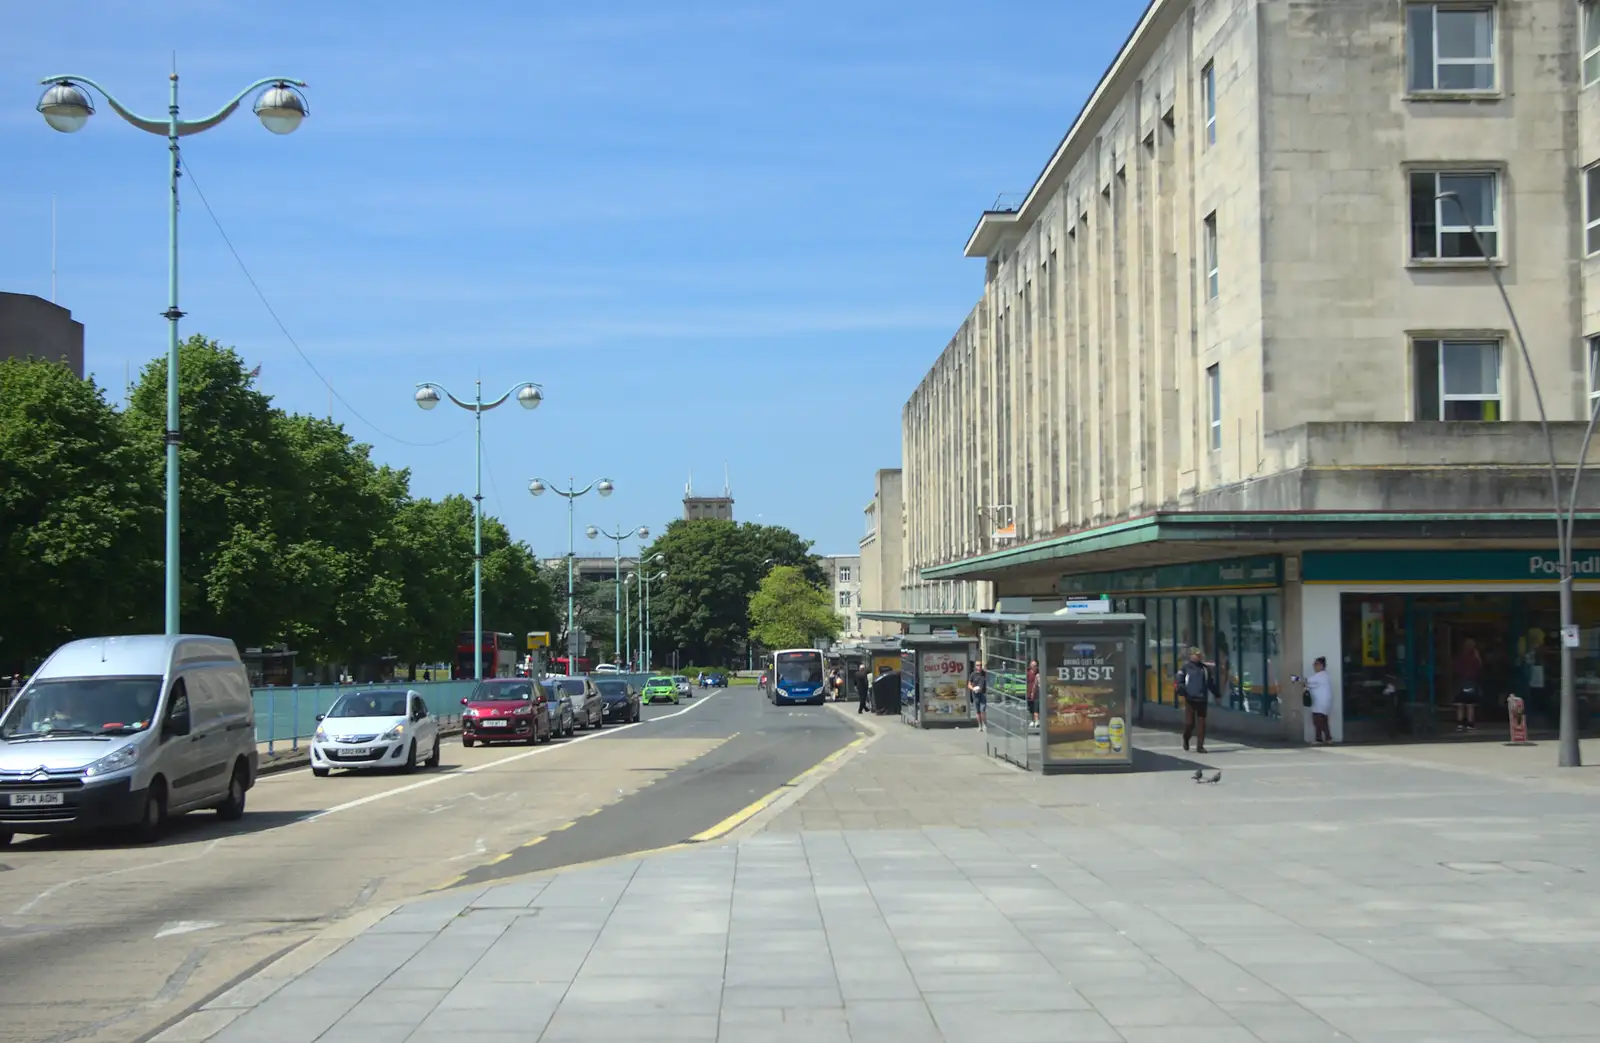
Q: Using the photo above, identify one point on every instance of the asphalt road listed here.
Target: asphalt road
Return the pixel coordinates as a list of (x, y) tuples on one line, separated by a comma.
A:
[(101, 941)]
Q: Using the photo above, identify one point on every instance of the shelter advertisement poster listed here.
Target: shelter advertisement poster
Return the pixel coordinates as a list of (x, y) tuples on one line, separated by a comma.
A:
[(1086, 700), (885, 664), (943, 678)]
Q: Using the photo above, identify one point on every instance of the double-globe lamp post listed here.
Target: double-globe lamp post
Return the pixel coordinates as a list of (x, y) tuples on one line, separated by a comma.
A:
[(66, 106), (538, 487), (1569, 752), (642, 533), (528, 396)]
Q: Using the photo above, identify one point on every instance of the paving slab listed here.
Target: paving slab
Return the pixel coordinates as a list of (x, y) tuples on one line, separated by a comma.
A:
[(1313, 896)]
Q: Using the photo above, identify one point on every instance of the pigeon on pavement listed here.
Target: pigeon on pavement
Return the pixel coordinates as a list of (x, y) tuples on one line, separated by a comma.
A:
[(1215, 778), (1198, 775)]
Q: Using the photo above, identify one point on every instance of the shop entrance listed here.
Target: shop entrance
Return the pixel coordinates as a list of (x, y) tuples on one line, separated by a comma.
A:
[(1406, 657)]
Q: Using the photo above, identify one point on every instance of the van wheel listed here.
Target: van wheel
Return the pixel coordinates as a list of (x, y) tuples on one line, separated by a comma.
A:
[(433, 759), (154, 820), (411, 758), (232, 809)]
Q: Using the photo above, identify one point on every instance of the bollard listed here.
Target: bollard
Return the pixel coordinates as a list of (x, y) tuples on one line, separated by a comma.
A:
[(272, 718), (297, 718), (1516, 713)]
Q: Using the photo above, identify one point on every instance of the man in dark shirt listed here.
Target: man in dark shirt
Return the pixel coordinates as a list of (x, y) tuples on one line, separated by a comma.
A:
[(978, 689)]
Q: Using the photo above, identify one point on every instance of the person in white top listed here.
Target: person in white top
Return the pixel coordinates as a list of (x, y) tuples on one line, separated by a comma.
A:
[(1320, 688)]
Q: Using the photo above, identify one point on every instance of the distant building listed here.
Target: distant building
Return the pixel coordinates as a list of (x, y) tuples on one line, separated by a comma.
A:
[(844, 579), (32, 327), (882, 560), (587, 570), (698, 508)]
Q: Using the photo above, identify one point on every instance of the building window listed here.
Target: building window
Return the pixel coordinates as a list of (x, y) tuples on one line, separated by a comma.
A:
[(1208, 100), (1445, 206), (1212, 282), (1594, 371), (844, 573), (1214, 393), (844, 599), (1450, 47), (1591, 43), (1458, 379), (1591, 210)]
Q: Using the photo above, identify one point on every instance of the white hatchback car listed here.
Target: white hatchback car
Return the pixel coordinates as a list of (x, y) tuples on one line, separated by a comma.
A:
[(375, 728)]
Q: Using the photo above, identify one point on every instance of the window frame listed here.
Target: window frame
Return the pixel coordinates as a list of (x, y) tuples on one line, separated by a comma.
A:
[(1214, 406), (1212, 256), (1589, 16), (1496, 178), (1438, 341), (1488, 7), (1592, 343), (1208, 100), (1591, 213)]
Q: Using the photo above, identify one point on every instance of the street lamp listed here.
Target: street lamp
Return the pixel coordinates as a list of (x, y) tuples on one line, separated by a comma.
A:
[(66, 106), (1570, 753), (428, 396), (649, 657), (642, 533), (627, 619), (538, 487)]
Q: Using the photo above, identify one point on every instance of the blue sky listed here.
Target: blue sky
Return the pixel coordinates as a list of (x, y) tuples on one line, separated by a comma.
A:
[(717, 233)]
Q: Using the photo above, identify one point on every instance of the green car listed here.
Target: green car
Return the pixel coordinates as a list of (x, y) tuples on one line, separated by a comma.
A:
[(659, 690)]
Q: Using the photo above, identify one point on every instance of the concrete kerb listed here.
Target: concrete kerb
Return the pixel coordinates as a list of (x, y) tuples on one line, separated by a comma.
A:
[(211, 1015)]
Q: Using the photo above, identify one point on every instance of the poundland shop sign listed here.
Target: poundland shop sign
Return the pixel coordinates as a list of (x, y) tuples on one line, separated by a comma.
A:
[(1445, 566)]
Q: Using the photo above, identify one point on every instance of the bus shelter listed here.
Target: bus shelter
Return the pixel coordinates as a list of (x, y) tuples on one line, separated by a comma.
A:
[(880, 659), (1089, 666), (933, 680)]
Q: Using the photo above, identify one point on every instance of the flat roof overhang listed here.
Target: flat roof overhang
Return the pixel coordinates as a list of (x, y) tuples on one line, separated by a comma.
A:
[(1179, 536)]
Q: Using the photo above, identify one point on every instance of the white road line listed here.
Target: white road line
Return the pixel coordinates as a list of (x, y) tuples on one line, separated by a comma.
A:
[(52, 889), (433, 780)]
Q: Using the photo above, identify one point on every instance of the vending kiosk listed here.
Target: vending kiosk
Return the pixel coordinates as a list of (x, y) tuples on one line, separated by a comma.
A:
[(1089, 667)]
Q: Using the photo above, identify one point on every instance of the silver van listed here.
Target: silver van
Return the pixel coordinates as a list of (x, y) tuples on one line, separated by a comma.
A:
[(125, 731)]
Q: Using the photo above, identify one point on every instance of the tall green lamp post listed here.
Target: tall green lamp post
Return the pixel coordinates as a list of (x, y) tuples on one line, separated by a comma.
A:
[(429, 395), (538, 487), (66, 106), (642, 533)]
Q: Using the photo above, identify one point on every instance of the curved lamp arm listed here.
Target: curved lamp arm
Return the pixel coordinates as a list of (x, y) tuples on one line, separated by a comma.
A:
[(185, 127), (505, 397), (570, 493), (619, 537)]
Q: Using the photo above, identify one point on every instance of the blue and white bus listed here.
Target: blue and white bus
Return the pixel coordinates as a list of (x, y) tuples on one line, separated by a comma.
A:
[(796, 677)]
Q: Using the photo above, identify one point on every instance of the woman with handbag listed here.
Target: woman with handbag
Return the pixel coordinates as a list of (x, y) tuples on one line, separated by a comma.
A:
[(1319, 698)]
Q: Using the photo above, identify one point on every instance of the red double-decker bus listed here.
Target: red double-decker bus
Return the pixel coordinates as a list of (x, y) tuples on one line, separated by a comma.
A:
[(499, 654), (581, 665)]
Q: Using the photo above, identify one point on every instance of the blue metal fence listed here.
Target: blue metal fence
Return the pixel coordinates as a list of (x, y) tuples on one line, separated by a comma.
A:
[(288, 715)]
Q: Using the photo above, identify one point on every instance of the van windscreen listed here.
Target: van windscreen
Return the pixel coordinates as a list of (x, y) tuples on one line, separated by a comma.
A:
[(82, 706)]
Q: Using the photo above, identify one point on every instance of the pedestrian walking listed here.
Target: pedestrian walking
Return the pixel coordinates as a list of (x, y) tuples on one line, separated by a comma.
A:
[(1033, 694), (1469, 686), (1197, 687), (978, 689), (863, 681), (1319, 687)]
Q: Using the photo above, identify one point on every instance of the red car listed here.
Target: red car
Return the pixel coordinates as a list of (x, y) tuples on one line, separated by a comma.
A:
[(506, 709)]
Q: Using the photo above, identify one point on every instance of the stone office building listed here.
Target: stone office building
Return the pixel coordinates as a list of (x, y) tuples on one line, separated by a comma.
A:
[(1239, 362)]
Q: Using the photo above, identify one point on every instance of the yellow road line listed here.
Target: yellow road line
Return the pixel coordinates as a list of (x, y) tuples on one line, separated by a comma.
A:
[(750, 811)]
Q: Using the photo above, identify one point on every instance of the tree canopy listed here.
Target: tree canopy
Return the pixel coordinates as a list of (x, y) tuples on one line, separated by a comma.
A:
[(788, 610), (701, 607), (289, 530)]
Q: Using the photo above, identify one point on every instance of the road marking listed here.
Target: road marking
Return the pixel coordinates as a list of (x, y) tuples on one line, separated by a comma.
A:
[(185, 927), (433, 780), (52, 889), (750, 811), (479, 849)]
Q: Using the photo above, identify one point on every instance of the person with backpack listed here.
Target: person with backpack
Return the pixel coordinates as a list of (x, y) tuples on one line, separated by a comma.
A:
[(1197, 687)]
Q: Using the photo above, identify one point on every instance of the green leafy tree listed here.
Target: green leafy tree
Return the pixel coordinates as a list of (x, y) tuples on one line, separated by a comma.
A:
[(701, 607), (790, 611), (79, 523)]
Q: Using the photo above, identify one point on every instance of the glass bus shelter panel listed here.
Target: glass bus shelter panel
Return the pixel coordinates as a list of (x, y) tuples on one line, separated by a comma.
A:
[(1089, 680)]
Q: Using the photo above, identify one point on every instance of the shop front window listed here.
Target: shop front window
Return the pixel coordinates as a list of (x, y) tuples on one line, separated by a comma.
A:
[(1272, 626), (1183, 639), (1228, 653)]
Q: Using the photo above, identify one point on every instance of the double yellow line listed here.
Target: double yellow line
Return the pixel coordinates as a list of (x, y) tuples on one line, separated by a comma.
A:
[(750, 811)]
